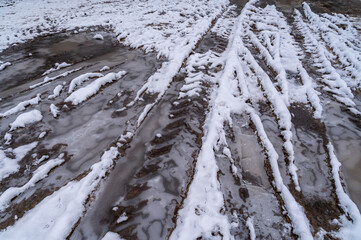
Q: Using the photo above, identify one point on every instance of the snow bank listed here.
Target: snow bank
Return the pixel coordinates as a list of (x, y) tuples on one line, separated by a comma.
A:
[(344, 42), (84, 93), (203, 210), (26, 119), (105, 68)]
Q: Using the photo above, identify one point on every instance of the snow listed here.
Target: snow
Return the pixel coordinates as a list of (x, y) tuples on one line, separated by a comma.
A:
[(57, 67), (249, 224), (98, 37), (202, 212), (233, 90), (26, 118), (56, 92), (7, 138), (295, 211), (82, 78), (342, 42), (105, 68), (111, 236), (54, 110), (21, 106), (122, 218), (84, 93), (333, 80), (10, 165), (350, 230), (66, 204), (4, 65), (40, 160), (50, 79), (282, 53), (42, 134), (161, 30), (39, 174)]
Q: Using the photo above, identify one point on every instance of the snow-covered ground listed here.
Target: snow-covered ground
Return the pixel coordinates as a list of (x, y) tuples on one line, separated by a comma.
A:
[(179, 120)]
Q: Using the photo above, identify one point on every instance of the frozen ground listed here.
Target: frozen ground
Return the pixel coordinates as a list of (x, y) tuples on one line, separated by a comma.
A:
[(180, 119)]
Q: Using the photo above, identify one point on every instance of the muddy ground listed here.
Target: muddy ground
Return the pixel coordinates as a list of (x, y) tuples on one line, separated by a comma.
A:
[(150, 180)]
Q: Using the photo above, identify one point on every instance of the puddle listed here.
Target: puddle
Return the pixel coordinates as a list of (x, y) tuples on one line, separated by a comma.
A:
[(84, 131), (32, 59), (350, 7), (346, 138), (147, 183)]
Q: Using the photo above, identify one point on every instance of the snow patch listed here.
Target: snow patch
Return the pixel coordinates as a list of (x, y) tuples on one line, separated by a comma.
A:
[(26, 118), (54, 110), (4, 65), (84, 93), (57, 67), (56, 92), (22, 106), (10, 165), (98, 37)]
